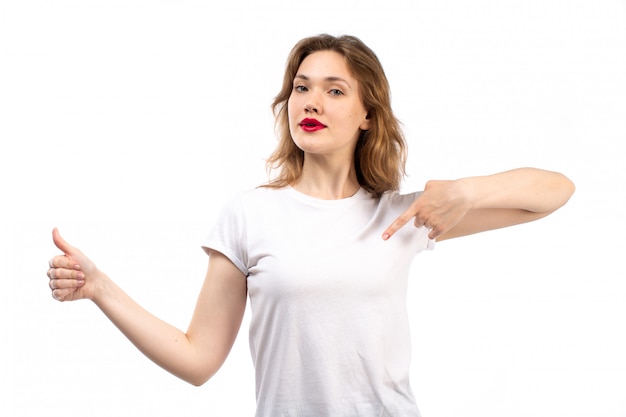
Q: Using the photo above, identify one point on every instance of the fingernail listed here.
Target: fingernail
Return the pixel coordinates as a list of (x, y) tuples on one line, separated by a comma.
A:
[(385, 236), (80, 275), (76, 266), (80, 282)]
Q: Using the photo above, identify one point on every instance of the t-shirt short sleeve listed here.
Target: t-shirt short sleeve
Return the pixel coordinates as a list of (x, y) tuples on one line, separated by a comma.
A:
[(228, 235)]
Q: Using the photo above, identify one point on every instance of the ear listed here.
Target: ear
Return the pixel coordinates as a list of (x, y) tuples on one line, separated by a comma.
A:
[(366, 123)]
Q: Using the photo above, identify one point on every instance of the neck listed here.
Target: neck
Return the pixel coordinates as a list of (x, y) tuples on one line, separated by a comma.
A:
[(327, 182)]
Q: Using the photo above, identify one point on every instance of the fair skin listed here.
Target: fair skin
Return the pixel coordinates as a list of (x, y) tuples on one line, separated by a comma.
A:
[(324, 90), (193, 356)]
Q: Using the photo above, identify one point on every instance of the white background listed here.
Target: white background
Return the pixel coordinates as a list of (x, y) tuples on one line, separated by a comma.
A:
[(128, 124)]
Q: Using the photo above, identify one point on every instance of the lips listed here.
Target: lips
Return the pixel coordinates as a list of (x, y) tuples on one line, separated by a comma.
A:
[(311, 125)]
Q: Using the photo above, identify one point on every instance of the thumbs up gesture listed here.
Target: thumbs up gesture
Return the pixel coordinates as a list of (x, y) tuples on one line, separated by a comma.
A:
[(72, 275)]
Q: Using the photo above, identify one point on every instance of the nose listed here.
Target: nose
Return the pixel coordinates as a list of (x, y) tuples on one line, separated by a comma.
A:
[(312, 103), (310, 108)]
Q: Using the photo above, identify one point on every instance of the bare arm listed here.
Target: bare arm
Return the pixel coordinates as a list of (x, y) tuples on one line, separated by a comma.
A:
[(193, 356), (476, 204)]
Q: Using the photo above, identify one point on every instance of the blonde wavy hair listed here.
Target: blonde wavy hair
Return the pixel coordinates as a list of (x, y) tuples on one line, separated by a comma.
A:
[(380, 154)]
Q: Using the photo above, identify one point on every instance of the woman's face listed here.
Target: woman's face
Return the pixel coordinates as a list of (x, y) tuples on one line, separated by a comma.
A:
[(326, 113)]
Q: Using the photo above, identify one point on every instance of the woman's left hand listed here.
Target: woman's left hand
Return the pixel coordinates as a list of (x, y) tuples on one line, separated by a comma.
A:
[(439, 208)]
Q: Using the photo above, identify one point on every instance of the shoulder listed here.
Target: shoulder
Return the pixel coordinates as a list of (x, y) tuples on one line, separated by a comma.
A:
[(254, 196), (262, 196), (256, 202), (401, 201)]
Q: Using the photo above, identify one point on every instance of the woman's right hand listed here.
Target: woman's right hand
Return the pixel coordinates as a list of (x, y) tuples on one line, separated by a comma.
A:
[(72, 275), (193, 356)]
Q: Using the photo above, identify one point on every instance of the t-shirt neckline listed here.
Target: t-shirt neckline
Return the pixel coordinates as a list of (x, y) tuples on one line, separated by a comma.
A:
[(359, 195)]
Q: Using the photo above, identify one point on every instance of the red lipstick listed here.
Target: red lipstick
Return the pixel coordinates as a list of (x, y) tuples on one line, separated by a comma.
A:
[(311, 125)]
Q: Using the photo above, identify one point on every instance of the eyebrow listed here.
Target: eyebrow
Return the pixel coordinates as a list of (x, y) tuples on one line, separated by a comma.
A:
[(328, 79)]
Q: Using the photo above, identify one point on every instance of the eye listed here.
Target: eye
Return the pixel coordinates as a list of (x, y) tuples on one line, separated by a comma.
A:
[(336, 92), (299, 88)]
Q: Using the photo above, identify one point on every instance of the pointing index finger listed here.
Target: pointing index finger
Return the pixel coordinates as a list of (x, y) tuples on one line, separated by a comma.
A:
[(398, 223)]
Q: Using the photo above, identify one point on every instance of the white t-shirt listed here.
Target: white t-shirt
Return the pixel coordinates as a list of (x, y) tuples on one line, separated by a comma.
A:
[(329, 334)]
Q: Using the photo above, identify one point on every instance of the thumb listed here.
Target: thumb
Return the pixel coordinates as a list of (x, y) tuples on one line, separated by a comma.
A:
[(60, 243)]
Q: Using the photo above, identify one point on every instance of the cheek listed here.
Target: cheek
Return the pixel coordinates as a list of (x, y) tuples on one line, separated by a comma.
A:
[(290, 116), (291, 105)]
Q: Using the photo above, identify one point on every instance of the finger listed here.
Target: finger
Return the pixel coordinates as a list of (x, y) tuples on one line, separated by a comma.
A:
[(62, 244), (419, 222), (63, 273), (400, 221), (67, 261), (63, 261), (434, 233), (59, 284), (61, 294)]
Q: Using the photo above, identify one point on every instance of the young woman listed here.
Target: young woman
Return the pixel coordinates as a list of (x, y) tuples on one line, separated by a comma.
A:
[(322, 251)]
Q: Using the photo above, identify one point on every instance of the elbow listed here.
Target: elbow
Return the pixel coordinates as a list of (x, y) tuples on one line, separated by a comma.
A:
[(198, 380), (572, 186), (198, 372), (557, 192), (201, 375), (567, 187), (198, 383)]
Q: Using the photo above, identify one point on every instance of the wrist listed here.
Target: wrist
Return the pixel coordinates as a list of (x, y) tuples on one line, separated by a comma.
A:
[(469, 191), (102, 285)]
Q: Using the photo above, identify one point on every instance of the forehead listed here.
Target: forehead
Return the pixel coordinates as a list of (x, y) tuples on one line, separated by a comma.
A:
[(324, 64)]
